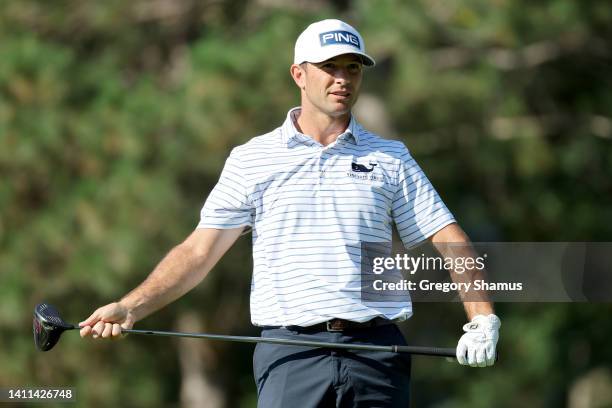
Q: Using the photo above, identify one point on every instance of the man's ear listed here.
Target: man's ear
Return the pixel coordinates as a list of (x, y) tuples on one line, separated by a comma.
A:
[(298, 73)]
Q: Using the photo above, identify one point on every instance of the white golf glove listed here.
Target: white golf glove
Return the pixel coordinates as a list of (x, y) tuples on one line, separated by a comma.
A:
[(477, 346)]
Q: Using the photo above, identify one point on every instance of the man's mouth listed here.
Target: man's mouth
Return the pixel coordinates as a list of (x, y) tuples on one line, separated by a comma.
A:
[(341, 94)]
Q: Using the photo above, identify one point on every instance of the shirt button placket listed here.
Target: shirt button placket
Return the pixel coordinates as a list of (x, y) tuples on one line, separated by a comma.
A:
[(321, 168), (322, 163)]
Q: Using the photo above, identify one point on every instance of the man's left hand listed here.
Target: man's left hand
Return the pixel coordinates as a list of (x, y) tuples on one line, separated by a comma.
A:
[(477, 346)]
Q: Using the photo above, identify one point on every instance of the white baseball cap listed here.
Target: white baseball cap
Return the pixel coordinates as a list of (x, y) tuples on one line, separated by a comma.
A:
[(326, 39)]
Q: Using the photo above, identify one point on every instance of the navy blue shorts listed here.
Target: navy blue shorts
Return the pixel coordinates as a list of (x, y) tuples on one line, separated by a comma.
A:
[(303, 377)]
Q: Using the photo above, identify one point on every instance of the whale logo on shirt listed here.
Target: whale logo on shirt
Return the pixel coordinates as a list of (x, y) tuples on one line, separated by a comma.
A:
[(362, 168)]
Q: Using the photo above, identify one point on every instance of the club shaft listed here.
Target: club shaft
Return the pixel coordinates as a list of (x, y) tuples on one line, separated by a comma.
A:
[(418, 350)]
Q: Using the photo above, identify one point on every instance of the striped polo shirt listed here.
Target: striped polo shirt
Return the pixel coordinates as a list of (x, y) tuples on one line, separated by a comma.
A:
[(310, 206)]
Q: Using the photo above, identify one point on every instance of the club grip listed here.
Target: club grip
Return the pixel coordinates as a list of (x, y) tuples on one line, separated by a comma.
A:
[(431, 351), (426, 351)]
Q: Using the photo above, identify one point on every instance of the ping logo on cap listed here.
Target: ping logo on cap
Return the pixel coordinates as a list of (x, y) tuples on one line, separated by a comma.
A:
[(339, 37)]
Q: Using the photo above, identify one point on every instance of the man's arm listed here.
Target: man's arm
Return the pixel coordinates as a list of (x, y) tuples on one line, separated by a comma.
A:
[(181, 270), (453, 233), (477, 347)]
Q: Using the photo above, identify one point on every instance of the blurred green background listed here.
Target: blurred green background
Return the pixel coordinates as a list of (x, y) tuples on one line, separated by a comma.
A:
[(116, 118)]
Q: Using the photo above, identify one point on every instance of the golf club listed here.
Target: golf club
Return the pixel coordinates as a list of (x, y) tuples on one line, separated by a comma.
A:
[(48, 326)]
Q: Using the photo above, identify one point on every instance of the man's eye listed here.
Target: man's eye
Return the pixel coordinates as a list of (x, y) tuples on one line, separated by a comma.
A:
[(329, 65)]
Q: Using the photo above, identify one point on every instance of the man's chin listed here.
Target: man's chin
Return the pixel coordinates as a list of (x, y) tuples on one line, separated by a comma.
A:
[(340, 109)]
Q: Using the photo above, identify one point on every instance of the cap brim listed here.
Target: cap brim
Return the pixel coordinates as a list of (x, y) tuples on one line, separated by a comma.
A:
[(366, 59)]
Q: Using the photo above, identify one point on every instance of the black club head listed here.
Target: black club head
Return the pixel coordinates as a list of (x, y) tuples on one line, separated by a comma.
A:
[(48, 326)]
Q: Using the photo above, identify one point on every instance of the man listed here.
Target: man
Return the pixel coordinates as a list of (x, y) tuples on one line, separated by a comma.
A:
[(312, 190)]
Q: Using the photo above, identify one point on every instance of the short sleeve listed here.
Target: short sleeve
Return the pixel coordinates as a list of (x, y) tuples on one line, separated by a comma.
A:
[(228, 205), (417, 209)]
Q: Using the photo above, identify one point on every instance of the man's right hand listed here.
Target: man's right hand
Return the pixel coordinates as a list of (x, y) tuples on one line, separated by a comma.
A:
[(107, 322)]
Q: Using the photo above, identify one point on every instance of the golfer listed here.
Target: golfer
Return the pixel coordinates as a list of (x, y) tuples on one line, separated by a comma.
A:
[(312, 190)]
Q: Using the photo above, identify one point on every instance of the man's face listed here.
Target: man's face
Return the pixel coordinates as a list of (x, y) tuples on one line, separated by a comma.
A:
[(331, 86)]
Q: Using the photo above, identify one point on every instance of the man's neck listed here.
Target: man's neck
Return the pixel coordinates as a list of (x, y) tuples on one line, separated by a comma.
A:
[(321, 127)]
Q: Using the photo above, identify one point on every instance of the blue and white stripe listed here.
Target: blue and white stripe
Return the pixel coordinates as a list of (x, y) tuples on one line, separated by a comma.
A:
[(310, 211)]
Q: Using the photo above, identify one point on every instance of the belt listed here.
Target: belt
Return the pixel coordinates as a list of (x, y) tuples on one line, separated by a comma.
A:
[(339, 325)]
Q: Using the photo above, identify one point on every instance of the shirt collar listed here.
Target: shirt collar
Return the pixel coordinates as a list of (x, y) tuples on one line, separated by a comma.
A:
[(290, 132)]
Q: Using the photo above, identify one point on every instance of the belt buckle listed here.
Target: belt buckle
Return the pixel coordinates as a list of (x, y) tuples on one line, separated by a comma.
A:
[(330, 328)]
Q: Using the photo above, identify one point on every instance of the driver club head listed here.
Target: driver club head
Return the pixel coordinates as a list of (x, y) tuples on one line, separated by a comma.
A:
[(48, 326)]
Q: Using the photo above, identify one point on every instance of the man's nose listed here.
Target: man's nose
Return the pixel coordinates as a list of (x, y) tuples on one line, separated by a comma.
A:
[(342, 75)]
